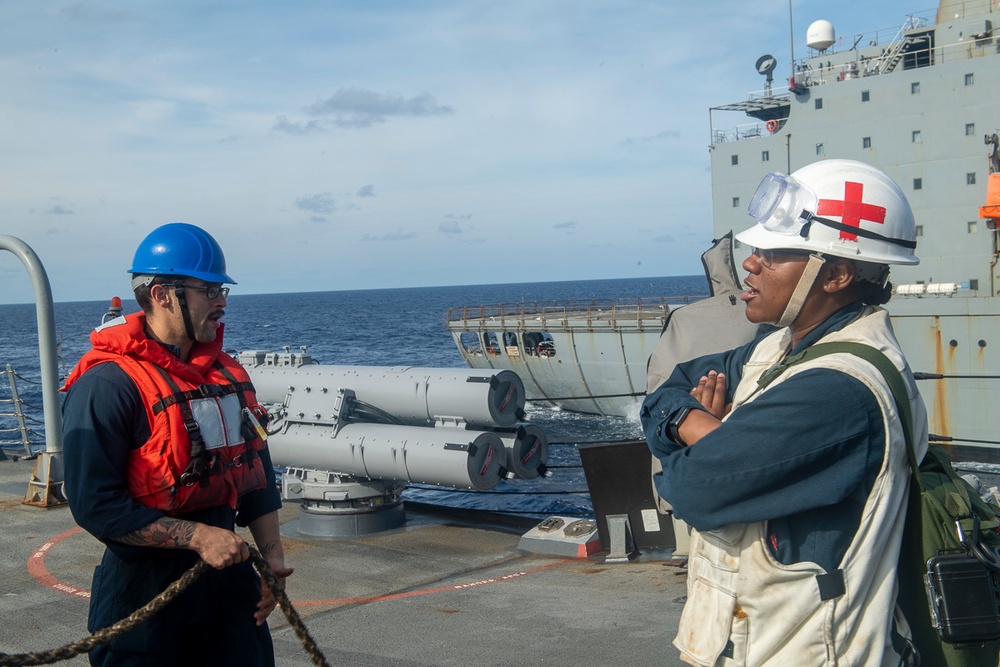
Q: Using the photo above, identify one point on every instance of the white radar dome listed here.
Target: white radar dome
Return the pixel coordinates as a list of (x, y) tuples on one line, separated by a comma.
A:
[(820, 35)]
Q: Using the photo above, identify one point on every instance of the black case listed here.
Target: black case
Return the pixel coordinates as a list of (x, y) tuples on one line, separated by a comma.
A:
[(963, 596)]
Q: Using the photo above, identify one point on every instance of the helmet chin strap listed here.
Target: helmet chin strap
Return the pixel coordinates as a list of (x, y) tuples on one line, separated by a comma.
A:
[(805, 283), (185, 313)]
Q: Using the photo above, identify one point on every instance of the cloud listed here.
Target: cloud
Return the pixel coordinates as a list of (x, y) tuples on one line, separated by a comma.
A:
[(665, 238), (569, 224), (58, 209), (450, 227), (366, 191), (662, 136), (282, 124), (357, 107), (321, 203), (81, 11), (398, 235)]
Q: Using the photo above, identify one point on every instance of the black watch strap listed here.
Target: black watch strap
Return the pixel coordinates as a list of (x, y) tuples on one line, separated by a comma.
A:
[(674, 425)]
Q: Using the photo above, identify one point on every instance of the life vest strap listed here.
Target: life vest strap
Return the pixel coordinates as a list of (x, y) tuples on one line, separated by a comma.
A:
[(203, 391)]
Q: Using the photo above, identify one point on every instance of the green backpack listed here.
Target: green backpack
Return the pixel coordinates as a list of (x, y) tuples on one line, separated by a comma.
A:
[(949, 546)]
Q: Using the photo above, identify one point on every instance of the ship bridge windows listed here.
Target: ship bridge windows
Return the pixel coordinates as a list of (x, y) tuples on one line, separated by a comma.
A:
[(865, 96), (510, 344), (491, 344), (915, 88), (539, 344), (818, 102), (735, 159), (915, 136), (918, 184), (765, 156), (970, 129), (866, 142), (736, 202), (970, 79), (820, 150), (970, 178), (471, 344), (918, 230), (973, 227)]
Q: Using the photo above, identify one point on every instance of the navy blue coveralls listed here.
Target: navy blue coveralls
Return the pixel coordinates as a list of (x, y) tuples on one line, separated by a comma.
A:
[(802, 456), (211, 623)]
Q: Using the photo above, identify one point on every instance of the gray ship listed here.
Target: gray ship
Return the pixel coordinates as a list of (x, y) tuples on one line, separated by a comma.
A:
[(452, 588), (916, 101)]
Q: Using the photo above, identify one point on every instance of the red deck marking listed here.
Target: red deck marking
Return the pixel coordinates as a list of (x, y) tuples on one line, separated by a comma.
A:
[(438, 589), (37, 569)]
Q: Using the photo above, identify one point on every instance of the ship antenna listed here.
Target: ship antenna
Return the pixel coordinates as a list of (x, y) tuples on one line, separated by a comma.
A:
[(791, 44)]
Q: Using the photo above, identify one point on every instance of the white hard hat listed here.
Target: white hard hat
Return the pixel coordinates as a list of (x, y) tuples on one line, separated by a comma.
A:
[(843, 208)]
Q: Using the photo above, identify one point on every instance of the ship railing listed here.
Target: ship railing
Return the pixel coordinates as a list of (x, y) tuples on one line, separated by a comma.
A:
[(744, 131), (593, 313), (14, 420)]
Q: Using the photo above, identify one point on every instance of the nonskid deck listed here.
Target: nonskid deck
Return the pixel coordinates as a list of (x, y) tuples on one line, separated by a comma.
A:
[(439, 591)]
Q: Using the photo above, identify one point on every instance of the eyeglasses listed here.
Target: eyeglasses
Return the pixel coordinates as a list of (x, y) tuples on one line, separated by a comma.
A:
[(211, 291), (766, 256)]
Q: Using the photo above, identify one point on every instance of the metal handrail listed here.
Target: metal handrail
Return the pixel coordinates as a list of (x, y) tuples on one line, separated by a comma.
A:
[(611, 310)]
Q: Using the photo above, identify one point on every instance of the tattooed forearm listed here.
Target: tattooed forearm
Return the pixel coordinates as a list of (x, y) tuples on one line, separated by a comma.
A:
[(164, 532), (268, 547)]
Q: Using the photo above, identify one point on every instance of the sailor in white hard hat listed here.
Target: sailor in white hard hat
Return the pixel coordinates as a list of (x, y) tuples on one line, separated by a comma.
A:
[(791, 467)]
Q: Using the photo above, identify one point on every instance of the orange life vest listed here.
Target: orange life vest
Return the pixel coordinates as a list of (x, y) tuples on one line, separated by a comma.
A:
[(203, 448)]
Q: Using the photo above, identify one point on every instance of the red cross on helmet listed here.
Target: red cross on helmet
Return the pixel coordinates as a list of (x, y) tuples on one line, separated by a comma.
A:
[(842, 208)]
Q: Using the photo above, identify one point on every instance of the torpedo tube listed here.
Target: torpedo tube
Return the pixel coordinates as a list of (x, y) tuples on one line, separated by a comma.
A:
[(352, 437)]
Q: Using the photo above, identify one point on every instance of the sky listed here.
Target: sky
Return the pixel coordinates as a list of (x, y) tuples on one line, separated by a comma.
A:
[(372, 144)]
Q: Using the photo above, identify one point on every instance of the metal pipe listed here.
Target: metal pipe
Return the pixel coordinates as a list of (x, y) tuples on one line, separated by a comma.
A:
[(45, 315)]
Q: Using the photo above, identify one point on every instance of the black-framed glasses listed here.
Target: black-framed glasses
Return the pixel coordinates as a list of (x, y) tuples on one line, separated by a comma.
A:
[(766, 255), (211, 291)]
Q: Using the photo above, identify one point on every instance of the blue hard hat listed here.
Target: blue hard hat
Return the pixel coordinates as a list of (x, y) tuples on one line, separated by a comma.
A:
[(180, 249)]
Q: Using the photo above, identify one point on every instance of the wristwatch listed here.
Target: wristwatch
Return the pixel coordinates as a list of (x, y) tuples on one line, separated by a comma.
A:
[(674, 425)]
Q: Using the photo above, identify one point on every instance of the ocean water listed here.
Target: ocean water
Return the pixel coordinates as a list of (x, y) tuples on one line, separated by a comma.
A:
[(387, 327)]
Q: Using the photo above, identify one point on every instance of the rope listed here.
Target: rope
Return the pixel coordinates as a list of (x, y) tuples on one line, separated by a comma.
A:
[(118, 629), (585, 398), (24, 379), (596, 442), (21, 377), (308, 643), (477, 492)]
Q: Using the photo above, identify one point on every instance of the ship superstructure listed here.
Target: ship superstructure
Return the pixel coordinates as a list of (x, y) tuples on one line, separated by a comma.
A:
[(922, 103)]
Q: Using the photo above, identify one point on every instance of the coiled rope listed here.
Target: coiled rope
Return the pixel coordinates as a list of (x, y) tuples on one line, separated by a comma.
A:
[(118, 629)]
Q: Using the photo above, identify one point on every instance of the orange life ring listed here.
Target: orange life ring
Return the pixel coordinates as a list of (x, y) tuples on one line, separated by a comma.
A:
[(771, 125)]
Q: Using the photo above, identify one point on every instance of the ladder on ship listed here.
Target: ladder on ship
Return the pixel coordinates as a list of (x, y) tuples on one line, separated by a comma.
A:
[(900, 46)]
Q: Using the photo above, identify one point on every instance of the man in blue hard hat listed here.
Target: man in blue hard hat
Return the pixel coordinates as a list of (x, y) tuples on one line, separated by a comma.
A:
[(164, 456)]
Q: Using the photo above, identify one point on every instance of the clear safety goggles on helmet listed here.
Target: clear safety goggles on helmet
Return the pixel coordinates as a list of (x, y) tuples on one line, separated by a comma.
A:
[(782, 205), (779, 202)]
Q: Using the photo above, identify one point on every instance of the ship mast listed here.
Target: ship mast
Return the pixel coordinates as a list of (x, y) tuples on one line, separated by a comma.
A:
[(791, 47)]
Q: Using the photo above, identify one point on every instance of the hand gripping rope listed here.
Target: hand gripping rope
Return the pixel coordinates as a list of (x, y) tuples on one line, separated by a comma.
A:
[(111, 632)]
